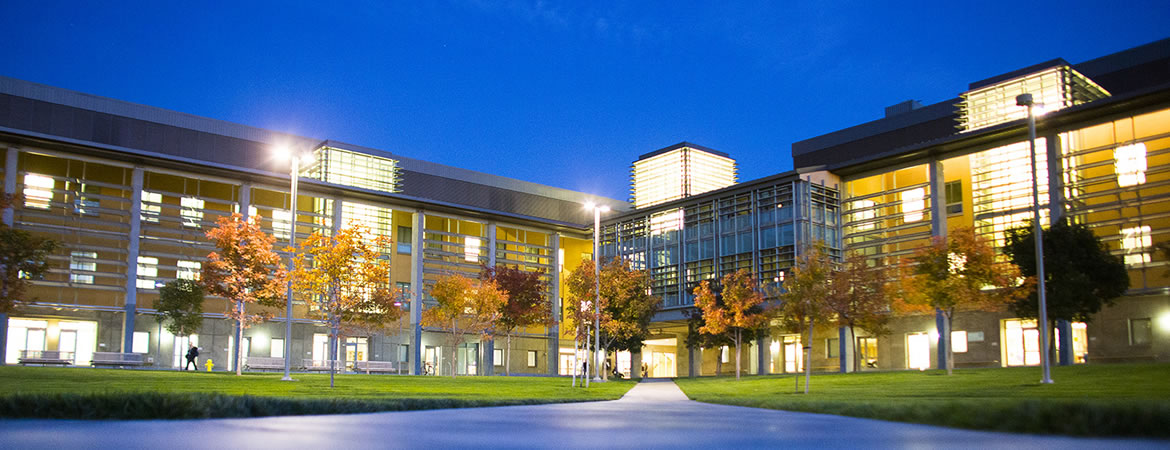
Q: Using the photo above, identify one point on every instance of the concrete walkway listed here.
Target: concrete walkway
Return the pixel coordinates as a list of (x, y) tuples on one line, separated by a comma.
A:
[(654, 414)]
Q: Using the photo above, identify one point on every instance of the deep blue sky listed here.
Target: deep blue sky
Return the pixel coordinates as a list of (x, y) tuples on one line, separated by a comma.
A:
[(559, 93)]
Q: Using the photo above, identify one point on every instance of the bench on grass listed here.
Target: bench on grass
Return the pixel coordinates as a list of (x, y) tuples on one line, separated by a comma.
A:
[(264, 363), (116, 359), (375, 366), (322, 365), (45, 357)]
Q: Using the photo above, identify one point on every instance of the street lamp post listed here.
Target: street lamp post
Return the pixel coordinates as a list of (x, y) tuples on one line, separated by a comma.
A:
[(1038, 234), (294, 176), (597, 359)]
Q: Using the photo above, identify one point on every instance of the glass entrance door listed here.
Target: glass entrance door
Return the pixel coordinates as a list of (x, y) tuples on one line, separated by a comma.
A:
[(918, 351), (1021, 342), (793, 361)]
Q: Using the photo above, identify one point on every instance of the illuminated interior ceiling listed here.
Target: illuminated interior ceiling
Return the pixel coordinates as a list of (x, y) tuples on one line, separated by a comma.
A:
[(679, 173), (1052, 89), (349, 168)]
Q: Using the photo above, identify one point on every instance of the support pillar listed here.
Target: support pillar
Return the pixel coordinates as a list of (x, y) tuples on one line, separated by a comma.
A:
[(237, 331), (489, 357), (416, 293), (11, 160), (694, 363), (131, 304), (845, 350), (1055, 178), (554, 329), (938, 230), (1064, 327), (636, 364), (762, 355)]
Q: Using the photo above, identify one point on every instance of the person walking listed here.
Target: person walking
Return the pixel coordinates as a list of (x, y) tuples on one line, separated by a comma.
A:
[(192, 353)]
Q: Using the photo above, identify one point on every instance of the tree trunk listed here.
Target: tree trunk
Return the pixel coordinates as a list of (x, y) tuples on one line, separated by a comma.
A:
[(738, 340), (508, 356), (575, 363), (719, 363), (239, 341), (808, 356), (455, 341), (588, 356)]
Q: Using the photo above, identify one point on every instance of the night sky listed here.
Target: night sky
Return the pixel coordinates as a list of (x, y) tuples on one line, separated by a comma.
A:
[(566, 94)]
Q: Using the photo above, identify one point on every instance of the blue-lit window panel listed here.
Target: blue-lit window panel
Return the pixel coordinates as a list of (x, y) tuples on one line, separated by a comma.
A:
[(707, 248), (768, 237), (691, 251), (744, 241), (727, 245), (786, 236)]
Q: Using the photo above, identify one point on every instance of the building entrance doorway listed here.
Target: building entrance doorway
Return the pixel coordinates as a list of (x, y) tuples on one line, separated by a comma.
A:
[(1021, 342), (918, 351), (662, 361)]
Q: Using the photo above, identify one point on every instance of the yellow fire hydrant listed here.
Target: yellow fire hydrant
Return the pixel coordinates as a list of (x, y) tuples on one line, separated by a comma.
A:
[(209, 364)]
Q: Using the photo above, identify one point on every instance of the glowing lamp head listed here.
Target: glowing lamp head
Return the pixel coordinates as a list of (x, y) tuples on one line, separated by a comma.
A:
[(589, 206), (282, 152)]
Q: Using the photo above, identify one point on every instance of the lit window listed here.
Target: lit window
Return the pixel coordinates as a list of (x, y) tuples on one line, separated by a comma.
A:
[(147, 267), (954, 193), (38, 191), (141, 343), (913, 203), (471, 249), (151, 206), (192, 211), (85, 200), (82, 262), (252, 211), (1130, 164), (959, 341), (498, 357), (1134, 241), (532, 358), (724, 354), (865, 213), (189, 270), (281, 224), (276, 350)]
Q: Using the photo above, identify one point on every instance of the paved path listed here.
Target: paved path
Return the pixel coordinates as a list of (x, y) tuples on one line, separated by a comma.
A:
[(654, 414)]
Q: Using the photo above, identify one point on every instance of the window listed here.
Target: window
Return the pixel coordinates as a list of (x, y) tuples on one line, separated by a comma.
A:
[(147, 267), (281, 224), (532, 358), (869, 352), (189, 270), (1130, 164), (498, 357), (954, 191), (1139, 331), (959, 341), (725, 354), (832, 348), (276, 350), (192, 211), (913, 203), (82, 262), (471, 249), (403, 352), (85, 201), (864, 212), (141, 343), (404, 240), (1134, 240), (151, 206), (38, 191)]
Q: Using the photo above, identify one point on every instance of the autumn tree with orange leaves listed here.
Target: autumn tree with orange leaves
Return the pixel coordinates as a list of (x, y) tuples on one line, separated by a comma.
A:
[(734, 311), (626, 304), (857, 296), (346, 281), (528, 302), (244, 270), (466, 307), (959, 273)]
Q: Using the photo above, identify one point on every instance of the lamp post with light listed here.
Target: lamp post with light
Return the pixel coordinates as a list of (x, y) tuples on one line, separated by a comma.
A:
[(294, 176), (597, 359), (1038, 235)]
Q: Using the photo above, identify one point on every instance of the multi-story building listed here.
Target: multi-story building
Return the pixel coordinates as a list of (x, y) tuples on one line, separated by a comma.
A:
[(130, 190), (678, 171), (887, 187)]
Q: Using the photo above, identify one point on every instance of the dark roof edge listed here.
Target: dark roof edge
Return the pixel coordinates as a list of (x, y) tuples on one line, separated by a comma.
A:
[(681, 145)]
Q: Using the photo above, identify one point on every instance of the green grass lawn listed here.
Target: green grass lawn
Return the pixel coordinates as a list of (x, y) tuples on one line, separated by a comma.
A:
[(125, 394), (1102, 400)]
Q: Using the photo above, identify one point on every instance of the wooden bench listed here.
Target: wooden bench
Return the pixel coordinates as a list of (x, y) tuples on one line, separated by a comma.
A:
[(321, 365), (45, 357), (116, 359), (264, 363), (375, 366)]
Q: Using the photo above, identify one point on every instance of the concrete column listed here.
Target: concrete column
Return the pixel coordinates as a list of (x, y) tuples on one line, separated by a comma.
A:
[(845, 350), (245, 204), (762, 355), (694, 366), (10, 173), (416, 292), (938, 229), (131, 304), (1064, 327), (636, 364), (489, 357), (554, 293), (1055, 178)]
